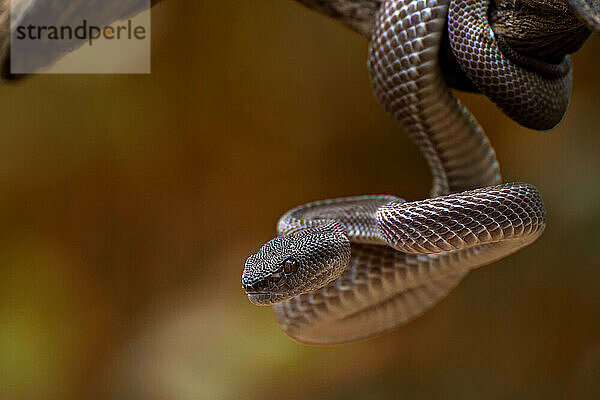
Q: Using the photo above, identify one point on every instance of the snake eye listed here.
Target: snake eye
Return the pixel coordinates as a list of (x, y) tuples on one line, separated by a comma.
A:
[(290, 266)]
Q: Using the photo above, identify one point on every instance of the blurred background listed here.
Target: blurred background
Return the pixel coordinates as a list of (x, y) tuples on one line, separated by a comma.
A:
[(128, 205)]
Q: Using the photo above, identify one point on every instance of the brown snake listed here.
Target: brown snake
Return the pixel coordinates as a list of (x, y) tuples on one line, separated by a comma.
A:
[(347, 269)]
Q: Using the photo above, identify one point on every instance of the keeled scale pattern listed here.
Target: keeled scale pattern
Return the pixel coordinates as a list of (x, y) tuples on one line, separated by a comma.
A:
[(406, 77), (380, 289), (358, 216), (503, 212), (383, 287), (532, 99)]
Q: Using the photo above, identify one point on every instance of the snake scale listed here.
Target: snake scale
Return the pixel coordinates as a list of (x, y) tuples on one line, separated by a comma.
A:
[(346, 269)]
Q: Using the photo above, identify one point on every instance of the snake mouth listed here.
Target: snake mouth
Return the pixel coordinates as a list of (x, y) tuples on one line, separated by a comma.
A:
[(265, 299)]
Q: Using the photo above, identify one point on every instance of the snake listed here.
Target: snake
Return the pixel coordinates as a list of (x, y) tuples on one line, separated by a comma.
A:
[(347, 269)]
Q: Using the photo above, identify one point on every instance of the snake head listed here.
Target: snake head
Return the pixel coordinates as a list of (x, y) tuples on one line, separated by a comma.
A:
[(296, 263)]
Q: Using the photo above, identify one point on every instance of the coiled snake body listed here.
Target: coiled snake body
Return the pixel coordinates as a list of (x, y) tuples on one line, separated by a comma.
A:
[(350, 268)]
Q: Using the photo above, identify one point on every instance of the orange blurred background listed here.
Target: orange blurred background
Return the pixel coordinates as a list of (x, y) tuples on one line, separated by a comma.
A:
[(130, 203)]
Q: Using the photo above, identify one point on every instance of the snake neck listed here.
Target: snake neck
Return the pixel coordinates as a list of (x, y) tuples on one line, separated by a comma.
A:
[(353, 217), (404, 67)]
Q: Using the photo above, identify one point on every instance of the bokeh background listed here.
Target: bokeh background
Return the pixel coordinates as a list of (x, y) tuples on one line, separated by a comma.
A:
[(128, 205)]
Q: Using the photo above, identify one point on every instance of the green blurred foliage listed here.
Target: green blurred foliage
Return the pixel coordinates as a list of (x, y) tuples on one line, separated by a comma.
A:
[(129, 204)]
